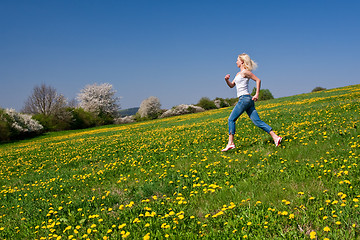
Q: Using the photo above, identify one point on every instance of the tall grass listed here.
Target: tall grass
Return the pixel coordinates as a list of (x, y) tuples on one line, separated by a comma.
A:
[(167, 179)]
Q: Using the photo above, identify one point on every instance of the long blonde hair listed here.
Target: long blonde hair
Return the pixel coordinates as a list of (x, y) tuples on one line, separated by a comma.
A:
[(248, 62)]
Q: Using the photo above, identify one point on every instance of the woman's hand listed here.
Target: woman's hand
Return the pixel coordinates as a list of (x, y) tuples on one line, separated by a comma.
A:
[(230, 84), (255, 97)]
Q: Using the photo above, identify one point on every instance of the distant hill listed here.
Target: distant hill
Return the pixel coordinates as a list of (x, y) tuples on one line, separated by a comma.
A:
[(129, 111)]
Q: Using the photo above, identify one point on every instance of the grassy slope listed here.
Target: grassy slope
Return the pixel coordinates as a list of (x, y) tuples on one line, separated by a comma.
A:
[(82, 183)]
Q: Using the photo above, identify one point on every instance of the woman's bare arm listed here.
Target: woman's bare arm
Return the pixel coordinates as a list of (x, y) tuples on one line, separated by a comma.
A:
[(230, 84), (258, 84)]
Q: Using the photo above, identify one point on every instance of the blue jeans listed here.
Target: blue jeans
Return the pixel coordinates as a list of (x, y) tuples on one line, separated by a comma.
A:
[(246, 103)]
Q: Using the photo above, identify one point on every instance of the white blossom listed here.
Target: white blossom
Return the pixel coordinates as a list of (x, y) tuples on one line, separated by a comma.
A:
[(182, 109), (99, 99), (123, 120), (150, 107), (23, 122)]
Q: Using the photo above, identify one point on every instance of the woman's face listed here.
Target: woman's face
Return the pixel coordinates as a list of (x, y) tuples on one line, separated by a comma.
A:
[(239, 62)]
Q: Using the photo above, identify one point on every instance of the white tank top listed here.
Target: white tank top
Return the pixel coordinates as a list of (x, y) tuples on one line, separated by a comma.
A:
[(242, 85)]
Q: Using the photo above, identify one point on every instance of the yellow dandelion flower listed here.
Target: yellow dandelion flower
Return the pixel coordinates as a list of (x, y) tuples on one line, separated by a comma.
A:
[(136, 220), (313, 235), (125, 235), (67, 228), (147, 236), (122, 225), (326, 229)]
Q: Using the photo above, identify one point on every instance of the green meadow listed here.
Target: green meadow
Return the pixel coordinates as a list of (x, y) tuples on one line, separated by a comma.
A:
[(168, 179)]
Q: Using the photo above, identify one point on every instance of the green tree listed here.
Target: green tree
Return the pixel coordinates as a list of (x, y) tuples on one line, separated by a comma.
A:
[(318, 89), (264, 94), (206, 103)]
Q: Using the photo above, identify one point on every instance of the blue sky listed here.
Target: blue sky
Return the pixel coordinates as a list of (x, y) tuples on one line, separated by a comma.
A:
[(178, 51)]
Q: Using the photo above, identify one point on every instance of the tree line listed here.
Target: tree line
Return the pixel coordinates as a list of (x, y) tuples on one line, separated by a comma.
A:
[(47, 110), (95, 105)]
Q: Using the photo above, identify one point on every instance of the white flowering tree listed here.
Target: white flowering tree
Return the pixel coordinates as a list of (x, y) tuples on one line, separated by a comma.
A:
[(150, 107), (99, 99)]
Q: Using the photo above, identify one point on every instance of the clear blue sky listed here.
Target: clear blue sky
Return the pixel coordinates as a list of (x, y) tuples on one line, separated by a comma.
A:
[(178, 51)]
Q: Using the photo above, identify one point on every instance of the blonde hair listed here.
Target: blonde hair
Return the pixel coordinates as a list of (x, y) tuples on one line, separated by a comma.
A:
[(248, 62)]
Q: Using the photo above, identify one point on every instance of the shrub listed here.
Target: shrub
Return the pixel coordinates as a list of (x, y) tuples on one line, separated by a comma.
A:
[(206, 103), (264, 94), (14, 125), (23, 123), (5, 126), (81, 119), (318, 89), (221, 103), (55, 122), (5, 131), (47, 121), (232, 101), (104, 118), (73, 118)]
